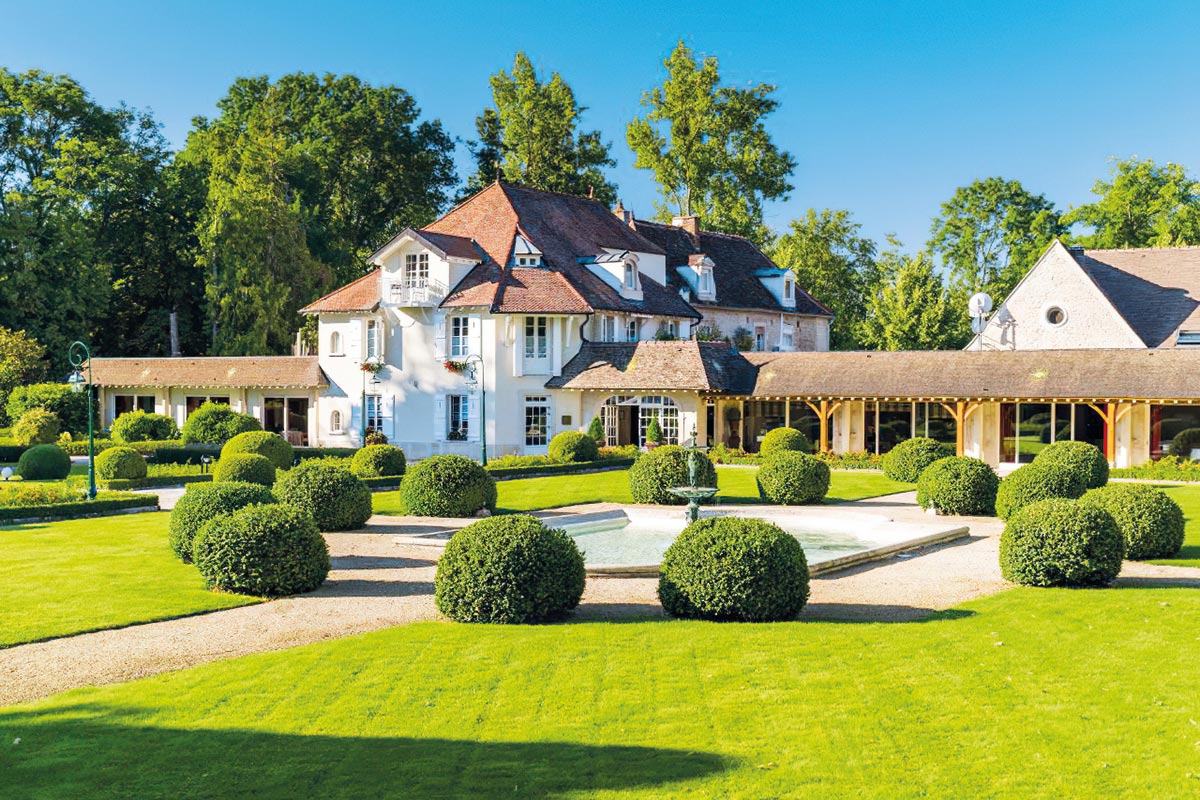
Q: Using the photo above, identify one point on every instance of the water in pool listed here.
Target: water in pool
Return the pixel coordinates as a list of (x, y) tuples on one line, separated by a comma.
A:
[(631, 543)]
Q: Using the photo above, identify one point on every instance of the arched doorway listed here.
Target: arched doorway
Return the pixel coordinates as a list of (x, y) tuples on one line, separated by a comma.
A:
[(626, 418)]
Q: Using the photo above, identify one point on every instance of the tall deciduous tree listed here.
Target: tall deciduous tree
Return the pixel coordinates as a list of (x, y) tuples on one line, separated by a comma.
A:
[(709, 149), (1142, 204), (912, 308), (533, 132), (20, 363), (834, 264)]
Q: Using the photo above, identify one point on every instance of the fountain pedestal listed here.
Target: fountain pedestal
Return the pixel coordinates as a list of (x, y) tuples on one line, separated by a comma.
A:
[(694, 494)]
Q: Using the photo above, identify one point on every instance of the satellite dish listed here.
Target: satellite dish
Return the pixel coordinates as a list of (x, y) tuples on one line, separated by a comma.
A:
[(978, 324), (979, 304)]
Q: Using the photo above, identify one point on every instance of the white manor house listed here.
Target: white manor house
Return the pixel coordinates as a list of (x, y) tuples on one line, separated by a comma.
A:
[(527, 313)]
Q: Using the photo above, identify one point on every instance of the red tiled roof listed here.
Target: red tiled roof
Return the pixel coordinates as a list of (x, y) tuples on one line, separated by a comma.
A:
[(359, 295), (267, 372), (454, 246), (651, 366)]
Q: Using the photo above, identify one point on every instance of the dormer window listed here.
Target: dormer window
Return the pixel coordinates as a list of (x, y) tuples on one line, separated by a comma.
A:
[(416, 270), (705, 281), (525, 254), (529, 261), (789, 290), (631, 275)]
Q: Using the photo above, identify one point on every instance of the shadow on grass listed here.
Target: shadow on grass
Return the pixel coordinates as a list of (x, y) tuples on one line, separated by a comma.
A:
[(94, 751), (813, 612), (1150, 582)]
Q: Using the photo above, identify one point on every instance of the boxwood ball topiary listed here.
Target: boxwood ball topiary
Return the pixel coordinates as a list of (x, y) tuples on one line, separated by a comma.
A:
[(44, 462), (907, 460), (268, 551), (138, 426), (664, 467), (216, 423), (447, 486), (1151, 523), (335, 498), (729, 568), (958, 485), (783, 440), (1080, 456), (378, 461), (1033, 483), (573, 446), (204, 502), (1061, 543), (263, 443), (1185, 442), (509, 569), (246, 468), (791, 478), (120, 463)]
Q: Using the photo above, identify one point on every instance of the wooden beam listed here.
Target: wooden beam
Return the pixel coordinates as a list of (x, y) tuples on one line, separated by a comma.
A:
[(824, 412)]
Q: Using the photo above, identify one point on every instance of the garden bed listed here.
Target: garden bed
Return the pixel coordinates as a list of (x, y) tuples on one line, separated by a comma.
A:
[(105, 503)]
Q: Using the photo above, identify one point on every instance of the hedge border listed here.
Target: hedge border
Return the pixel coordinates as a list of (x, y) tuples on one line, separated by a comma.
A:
[(154, 482), (99, 507), (538, 470)]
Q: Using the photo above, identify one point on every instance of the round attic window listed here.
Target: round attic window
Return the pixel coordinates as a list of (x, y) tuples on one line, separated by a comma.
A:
[(1055, 316)]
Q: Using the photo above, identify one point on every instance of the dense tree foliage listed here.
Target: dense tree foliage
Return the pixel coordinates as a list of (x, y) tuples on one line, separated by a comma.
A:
[(532, 134), (1142, 204), (709, 149), (911, 308)]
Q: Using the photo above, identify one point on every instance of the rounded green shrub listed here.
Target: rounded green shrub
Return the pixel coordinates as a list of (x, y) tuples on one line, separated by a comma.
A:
[(120, 463), (729, 568), (378, 461), (204, 502), (792, 478), (263, 443), (44, 462), (1185, 442), (1061, 543), (336, 499), (510, 569), (267, 551), (447, 486), (245, 468), (138, 426), (36, 426), (59, 399), (1033, 483), (958, 485), (907, 460), (573, 446), (1150, 521), (665, 467), (216, 423), (597, 432), (1084, 458), (782, 440)]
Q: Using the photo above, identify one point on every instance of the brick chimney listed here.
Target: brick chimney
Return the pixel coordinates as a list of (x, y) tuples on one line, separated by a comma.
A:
[(626, 217), (691, 224)]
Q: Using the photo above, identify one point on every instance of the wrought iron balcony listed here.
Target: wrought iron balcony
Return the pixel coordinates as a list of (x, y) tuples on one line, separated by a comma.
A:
[(429, 293)]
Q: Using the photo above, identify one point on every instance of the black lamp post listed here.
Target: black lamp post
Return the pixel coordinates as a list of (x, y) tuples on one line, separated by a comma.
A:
[(79, 354)]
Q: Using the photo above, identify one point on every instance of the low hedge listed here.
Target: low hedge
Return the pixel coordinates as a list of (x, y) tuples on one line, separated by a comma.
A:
[(44, 462), (336, 499), (447, 486), (534, 470), (510, 569), (1061, 543), (1082, 457), (572, 447), (120, 463), (79, 447), (664, 468), (1151, 522), (186, 454), (305, 453), (1168, 468), (247, 468), (105, 502), (156, 481), (1033, 483), (262, 443), (263, 550), (907, 460), (792, 478), (958, 485), (1184, 442), (728, 568), (195, 509), (140, 426), (378, 461), (9, 453), (779, 440)]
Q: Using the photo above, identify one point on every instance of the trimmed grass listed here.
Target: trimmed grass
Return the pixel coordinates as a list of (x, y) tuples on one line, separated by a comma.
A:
[(1031, 693), (61, 578), (1188, 498), (736, 485)]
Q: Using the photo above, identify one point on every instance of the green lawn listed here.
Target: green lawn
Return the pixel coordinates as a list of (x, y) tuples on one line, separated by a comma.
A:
[(1031, 693), (736, 485), (1188, 498), (60, 578)]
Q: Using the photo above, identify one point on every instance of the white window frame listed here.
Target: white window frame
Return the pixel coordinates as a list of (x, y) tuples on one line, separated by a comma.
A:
[(374, 411), (536, 402), (673, 328), (336, 345), (335, 422), (631, 275), (373, 339), (608, 328), (416, 270), (458, 409), (460, 337), (760, 338), (537, 338), (633, 331), (788, 289)]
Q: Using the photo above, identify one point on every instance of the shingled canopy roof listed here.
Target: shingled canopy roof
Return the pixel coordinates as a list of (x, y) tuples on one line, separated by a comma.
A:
[(656, 366), (1093, 375), (1156, 290), (359, 295), (260, 372)]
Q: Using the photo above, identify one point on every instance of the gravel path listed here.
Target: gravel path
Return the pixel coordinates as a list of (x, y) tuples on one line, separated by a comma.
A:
[(378, 584)]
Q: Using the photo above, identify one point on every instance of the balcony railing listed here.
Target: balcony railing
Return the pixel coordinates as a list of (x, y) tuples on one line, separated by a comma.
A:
[(429, 293)]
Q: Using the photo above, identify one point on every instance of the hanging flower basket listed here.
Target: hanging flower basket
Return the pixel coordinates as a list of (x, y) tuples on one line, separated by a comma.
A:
[(457, 367), (373, 367)]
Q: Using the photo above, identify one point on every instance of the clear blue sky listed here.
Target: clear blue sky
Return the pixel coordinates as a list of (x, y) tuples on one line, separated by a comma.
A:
[(887, 106)]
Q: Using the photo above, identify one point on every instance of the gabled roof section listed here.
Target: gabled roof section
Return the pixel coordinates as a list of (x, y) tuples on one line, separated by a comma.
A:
[(444, 245), (657, 366), (262, 372), (737, 263), (1156, 290), (360, 295)]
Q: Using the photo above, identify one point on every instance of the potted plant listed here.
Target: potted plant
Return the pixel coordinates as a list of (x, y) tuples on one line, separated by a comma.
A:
[(457, 367), (654, 434)]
